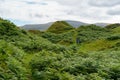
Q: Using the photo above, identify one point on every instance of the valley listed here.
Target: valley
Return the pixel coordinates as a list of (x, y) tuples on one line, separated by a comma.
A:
[(60, 52)]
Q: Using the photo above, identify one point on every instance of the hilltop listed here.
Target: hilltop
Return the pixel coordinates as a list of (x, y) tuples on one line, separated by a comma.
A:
[(59, 27)]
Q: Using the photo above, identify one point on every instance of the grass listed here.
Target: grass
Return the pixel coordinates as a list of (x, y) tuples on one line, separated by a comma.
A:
[(55, 55), (59, 27)]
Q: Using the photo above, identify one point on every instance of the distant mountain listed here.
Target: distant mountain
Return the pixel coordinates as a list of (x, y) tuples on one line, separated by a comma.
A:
[(45, 26), (37, 26), (101, 24), (76, 23)]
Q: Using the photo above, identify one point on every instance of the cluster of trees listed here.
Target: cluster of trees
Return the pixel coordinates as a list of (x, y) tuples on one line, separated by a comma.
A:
[(36, 55)]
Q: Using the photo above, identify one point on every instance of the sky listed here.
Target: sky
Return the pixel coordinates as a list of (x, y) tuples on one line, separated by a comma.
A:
[(23, 12)]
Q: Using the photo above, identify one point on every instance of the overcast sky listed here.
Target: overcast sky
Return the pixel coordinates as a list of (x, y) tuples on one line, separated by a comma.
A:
[(42, 11)]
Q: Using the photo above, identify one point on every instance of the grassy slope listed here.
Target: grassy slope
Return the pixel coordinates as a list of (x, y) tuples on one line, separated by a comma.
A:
[(26, 56), (17, 48), (109, 42), (59, 27)]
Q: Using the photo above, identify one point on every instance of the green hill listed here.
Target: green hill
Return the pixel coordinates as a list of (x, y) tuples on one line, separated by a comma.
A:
[(59, 27), (82, 34), (17, 47), (60, 53), (91, 32), (8, 28), (112, 26)]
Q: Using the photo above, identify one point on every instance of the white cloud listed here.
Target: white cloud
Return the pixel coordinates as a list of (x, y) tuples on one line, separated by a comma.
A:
[(43, 11), (114, 11), (104, 3)]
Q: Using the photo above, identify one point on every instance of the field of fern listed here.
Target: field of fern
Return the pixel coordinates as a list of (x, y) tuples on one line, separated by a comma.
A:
[(60, 53)]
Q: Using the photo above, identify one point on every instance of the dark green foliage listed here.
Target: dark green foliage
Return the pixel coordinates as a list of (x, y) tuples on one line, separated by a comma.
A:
[(37, 55), (114, 37), (75, 65), (54, 38), (91, 32), (8, 28), (37, 32), (67, 37), (112, 26), (11, 67)]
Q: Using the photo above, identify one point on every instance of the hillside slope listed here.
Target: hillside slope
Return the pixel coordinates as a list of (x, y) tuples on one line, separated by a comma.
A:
[(56, 55), (59, 27)]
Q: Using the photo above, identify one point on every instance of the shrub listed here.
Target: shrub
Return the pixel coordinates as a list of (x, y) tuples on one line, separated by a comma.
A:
[(113, 37)]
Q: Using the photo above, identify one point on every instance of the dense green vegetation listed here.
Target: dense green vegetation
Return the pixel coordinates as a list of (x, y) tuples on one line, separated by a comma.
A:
[(112, 26), (61, 53)]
